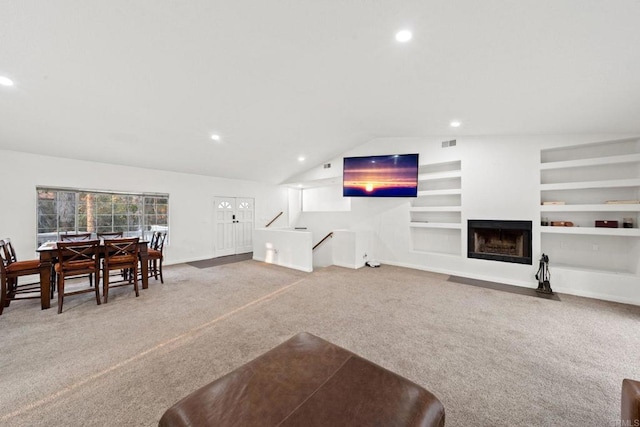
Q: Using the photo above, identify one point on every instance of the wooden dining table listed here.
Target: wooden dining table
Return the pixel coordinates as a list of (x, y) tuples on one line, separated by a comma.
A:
[(48, 254)]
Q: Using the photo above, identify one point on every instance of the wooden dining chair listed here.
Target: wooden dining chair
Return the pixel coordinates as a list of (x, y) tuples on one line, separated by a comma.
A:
[(75, 237), (12, 269), (74, 259), (3, 278), (120, 254), (156, 256), (111, 235), (153, 243), (72, 237)]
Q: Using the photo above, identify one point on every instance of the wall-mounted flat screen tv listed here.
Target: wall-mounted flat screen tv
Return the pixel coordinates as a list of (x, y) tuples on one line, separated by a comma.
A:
[(381, 176)]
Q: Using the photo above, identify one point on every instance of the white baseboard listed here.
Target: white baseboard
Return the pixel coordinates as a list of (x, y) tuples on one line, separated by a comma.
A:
[(558, 289)]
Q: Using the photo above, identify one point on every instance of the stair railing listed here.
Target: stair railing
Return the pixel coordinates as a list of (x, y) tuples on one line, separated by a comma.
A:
[(323, 240), (274, 219)]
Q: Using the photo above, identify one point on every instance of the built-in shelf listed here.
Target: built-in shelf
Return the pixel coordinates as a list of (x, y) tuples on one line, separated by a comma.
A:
[(445, 192), (613, 183), (584, 177), (613, 207), (436, 209), (451, 225), (439, 175), (600, 231), (436, 214), (597, 161)]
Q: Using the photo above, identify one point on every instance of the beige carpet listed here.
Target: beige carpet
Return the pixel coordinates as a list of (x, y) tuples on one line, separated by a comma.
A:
[(493, 358)]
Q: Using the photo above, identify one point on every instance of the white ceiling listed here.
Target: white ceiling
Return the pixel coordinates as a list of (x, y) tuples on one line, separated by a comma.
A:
[(145, 82)]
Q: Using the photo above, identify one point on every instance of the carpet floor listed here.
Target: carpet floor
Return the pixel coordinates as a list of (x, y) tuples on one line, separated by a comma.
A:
[(493, 358)]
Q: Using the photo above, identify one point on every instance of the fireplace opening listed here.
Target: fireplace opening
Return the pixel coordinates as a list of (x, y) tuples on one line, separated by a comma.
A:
[(500, 240)]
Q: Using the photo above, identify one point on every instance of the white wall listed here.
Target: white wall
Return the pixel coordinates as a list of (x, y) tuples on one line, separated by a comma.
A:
[(325, 199), (190, 199), (294, 207), (351, 249), (500, 180), (283, 246)]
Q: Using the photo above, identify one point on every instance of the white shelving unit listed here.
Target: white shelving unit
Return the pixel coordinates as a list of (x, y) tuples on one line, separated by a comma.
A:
[(592, 182), (447, 192), (596, 231), (614, 183), (435, 215), (435, 225), (436, 209)]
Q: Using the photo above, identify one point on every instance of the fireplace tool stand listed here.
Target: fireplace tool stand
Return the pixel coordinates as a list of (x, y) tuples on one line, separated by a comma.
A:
[(543, 276)]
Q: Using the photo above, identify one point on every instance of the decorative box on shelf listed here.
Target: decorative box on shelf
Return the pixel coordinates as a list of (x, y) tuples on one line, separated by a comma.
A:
[(606, 223), (562, 224)]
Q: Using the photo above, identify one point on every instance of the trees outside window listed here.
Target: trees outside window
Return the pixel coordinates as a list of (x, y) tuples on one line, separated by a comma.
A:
[(62, 211)]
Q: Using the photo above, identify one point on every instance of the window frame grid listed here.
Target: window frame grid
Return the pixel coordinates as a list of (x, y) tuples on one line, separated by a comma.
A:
[(143, 228)]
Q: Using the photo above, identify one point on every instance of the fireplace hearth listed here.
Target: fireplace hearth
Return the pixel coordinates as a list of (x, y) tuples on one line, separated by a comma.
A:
[(500, 240)]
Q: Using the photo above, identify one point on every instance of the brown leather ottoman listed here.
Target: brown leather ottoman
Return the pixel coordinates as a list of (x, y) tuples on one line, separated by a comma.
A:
[(630, 403), (307, 381)]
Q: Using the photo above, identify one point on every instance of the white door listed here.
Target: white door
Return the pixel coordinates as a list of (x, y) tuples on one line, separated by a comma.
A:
[(233, 225)]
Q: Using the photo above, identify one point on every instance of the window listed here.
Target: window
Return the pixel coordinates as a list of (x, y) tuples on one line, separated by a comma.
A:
[(63, 211)]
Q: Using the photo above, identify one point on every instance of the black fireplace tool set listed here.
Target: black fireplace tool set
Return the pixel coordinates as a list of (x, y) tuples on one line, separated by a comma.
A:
[(543, 276)]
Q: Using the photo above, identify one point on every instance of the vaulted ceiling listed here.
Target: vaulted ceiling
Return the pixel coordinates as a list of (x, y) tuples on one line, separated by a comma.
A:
[(146, 83)]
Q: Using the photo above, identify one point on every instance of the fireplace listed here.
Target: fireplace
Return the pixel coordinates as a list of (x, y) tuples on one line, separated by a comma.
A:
[(500, 240)]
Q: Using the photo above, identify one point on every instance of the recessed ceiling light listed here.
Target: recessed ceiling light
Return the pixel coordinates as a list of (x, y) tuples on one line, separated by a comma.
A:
[(5, 81), (455, 124), (215, 137), (301, 159), (403, 36)]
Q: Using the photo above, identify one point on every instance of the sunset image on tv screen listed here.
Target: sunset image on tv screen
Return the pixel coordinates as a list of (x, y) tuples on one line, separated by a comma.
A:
[(381, 176)]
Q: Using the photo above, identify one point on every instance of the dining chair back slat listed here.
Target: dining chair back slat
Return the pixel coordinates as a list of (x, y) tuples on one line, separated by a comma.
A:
[(154, 239)]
